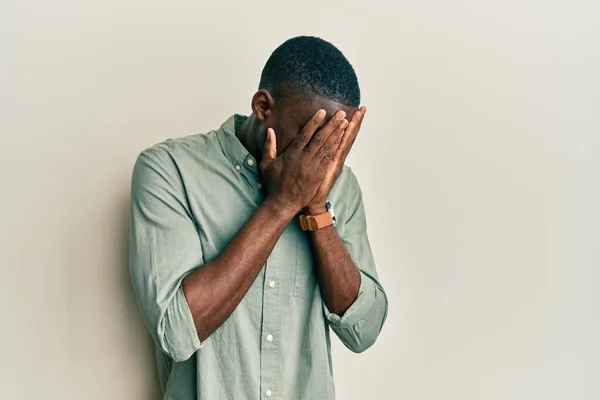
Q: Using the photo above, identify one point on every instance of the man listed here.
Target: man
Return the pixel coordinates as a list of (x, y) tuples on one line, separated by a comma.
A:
[(237, 284)]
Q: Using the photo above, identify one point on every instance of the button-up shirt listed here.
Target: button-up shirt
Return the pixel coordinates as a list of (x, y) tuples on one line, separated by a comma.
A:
[(189, 198)]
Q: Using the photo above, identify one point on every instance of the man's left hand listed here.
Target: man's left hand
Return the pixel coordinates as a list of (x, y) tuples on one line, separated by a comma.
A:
[(317, 204)]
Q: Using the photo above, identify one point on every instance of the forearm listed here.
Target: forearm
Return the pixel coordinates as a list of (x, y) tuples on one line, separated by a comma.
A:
[(339, 279), (214, 290), (354, 302), (348, 293)]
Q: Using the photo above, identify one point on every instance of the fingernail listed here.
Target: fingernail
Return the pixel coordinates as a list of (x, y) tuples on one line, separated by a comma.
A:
[(321, 113), (341, 114)]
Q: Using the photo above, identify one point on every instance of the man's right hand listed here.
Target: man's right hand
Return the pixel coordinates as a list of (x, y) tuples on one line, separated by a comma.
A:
[(293, 178)]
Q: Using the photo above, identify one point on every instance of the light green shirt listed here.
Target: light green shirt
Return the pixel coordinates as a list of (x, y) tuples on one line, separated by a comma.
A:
[(189, 197)]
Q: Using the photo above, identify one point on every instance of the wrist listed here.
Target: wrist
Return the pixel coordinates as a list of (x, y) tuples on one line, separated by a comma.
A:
[(280, 209), (315, 208)]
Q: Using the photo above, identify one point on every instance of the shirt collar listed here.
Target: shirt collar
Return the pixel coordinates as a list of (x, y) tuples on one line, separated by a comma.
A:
[(234, 150)]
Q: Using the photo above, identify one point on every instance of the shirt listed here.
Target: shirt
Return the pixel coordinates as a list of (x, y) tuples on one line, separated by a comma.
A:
[(189, 197)]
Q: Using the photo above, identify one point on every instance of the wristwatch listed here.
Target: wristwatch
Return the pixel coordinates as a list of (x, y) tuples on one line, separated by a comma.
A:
[(314, 222)]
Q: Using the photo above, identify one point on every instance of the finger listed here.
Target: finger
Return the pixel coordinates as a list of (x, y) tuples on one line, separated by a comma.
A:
[(340, 152), (307, 131), (363, 110), (270, 150), (320, 138), (361, 119), (348, 138), (331, 146)]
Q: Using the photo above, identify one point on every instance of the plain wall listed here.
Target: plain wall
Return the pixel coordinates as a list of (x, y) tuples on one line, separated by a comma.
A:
[(479, 161)]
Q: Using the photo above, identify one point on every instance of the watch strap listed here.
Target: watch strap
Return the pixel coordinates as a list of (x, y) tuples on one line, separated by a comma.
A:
[(314, 222)]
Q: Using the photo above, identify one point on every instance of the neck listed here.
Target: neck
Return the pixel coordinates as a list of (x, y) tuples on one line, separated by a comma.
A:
[(251, 138)]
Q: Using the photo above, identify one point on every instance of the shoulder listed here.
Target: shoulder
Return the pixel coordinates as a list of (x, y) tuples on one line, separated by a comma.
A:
[(180, 152), (163, 161), (174, 148)]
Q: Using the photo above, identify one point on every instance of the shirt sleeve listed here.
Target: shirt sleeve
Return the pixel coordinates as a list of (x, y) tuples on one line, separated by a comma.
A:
[(361, 323), (164, 247)]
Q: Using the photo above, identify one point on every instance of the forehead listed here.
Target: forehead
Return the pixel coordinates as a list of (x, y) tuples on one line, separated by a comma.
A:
[(302, 112)]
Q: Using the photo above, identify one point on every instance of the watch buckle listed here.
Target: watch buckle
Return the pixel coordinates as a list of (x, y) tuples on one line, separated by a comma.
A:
[(307, 223)]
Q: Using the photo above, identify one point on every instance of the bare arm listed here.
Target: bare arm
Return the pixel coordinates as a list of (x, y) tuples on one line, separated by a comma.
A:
[(354, 301), (339, 279), (214, 291)]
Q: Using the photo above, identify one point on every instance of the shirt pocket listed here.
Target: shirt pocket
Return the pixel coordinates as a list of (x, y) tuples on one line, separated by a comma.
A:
[(305, 278)]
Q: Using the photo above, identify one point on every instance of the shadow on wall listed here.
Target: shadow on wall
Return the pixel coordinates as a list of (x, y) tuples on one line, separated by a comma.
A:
[(110, 349)]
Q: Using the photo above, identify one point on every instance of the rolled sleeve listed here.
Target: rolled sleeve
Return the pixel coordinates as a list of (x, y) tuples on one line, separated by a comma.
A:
[(180, 337), (164, 247), (357, 310), (359, 326)]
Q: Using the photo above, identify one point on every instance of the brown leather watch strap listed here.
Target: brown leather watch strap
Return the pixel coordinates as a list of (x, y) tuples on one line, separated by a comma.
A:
[(314, 222)]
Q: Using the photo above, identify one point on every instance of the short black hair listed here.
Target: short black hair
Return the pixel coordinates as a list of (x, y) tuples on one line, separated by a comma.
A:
[(308, 65)]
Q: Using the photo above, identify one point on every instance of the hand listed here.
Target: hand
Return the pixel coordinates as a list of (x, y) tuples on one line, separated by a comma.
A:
[(334, 168), (292, 179)]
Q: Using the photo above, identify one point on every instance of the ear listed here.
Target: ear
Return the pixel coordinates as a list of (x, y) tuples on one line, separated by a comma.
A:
[(262, 104)]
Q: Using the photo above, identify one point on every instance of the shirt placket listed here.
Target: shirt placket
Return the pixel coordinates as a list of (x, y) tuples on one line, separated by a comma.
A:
[(249, 170), (273, 288), (272, 285), (270, 339)]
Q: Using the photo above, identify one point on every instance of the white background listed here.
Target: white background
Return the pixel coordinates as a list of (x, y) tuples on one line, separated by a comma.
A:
[(479, 161)]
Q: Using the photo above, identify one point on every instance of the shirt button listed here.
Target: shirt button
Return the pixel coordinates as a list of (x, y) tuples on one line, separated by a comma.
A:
[(272, 284), (259, 185), (269, 338), (268, 392), (250, 161), (237, 166)]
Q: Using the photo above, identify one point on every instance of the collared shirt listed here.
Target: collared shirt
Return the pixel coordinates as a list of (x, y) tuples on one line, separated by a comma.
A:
[(189, 198)]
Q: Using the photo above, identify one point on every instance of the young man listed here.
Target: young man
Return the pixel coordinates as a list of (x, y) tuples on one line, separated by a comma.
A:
[(250, 241)]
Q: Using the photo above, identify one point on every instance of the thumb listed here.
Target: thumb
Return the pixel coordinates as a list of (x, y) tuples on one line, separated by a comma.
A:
[(270, 150)]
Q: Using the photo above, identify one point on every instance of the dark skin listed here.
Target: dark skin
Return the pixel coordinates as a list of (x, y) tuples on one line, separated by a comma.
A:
[(301, 153)]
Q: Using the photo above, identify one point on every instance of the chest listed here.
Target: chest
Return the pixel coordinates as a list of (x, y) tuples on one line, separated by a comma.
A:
[(222, 201)]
